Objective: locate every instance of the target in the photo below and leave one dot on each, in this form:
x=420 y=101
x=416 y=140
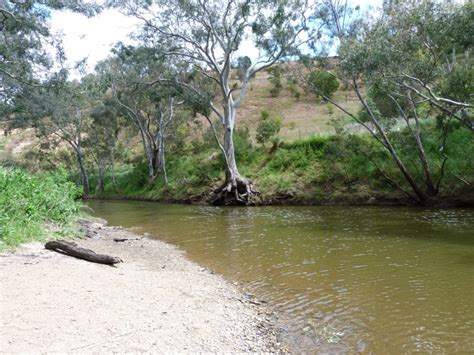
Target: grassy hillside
x=303 y=117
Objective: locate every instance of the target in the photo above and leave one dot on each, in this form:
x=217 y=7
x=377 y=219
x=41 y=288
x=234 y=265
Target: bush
x=294 y=91
x=267 y=127
x=244 y=151
x=298 y=155
x=275 y=78
x=325 y=83
x=28 y=202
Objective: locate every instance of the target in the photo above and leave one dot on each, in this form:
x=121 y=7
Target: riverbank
x=348 y=170
x=155 y=301
x=347 y=198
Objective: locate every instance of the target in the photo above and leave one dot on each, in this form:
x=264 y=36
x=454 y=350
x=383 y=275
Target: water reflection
x=343 y=279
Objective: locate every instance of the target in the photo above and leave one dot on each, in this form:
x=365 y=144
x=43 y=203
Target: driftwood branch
x=71 y=249
x=119 y=240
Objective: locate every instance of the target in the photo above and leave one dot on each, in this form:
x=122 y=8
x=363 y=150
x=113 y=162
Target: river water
x=342 y=279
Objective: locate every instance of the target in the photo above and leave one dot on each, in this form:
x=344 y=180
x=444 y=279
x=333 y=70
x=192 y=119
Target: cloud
x=91 y=37
x=94 y=37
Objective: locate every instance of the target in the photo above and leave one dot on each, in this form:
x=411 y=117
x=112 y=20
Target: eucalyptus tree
x=102 y=134
x=63 y=114
x=210 y=35
x=21 y=48
x=26 y=47
x=101 y=141
x=414 y=62
x=150 y=106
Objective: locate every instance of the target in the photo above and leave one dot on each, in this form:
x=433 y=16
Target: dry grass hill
x=305 y=116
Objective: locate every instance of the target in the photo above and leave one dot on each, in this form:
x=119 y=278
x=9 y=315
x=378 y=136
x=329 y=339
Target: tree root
x=241 y=191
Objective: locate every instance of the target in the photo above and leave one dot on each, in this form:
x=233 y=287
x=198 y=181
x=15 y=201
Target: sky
x=94 y=37
x=91 y=37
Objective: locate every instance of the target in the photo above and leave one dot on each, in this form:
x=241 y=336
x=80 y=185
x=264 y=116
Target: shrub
x=28 y=202
x=294 y=90
x=244 y=151
x=325 y=83
x=275 y=78
x=267 y=127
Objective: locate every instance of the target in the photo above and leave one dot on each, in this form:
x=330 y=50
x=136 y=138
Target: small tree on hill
x=324 y=83
x=267 y=128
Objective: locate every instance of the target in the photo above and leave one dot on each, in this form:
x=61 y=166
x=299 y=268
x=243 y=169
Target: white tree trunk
x=236 y=189
x=231 y=165
x=162 y=161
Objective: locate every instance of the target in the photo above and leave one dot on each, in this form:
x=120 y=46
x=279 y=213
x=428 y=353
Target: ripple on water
x=383 y=280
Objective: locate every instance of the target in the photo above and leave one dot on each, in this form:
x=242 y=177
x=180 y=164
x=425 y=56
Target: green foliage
x=294 y=90
x=241 y=66
x=459 y=83
x=245 y=153
x=460 y=149
x=275 y=79
x=267 y=127
x=323 y=82
x=26 y=47
x=28 y=203
x=419 y=47
x=415 y=64
x=297 y=155
x=345 y=166
x=381 y=102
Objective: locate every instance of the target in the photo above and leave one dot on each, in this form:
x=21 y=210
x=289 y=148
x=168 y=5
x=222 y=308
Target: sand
x=156 y=301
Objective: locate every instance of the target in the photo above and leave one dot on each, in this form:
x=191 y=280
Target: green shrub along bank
x=338 y=169
x=36 y=206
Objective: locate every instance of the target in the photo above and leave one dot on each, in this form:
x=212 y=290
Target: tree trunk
x=430 y=186
x=420 y=195
x=112 y=167
x=414 y=186
x=231 y=172
x=100 y=181
x=161 y=157
x=236 y=188
x=84 y=176
x=150 y=156
x=401 y=166
x=71 y=249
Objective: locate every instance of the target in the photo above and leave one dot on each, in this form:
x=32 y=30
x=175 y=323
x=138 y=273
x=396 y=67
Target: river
x=342 y=279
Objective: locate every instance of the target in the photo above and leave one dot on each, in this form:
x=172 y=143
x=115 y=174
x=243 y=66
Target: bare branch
x=7 y=13
x=437 y=98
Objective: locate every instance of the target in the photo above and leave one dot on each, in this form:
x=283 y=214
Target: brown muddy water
x=342 y=279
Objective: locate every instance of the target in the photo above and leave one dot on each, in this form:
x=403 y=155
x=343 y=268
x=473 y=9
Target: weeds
x=30 y=205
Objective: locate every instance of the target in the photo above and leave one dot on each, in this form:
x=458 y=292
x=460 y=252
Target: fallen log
x=71 y=249
x=119 y=240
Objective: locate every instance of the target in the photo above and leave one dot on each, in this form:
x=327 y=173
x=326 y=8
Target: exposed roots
x=239 y=191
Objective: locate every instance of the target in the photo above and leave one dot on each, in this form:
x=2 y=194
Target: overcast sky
x=94 y=37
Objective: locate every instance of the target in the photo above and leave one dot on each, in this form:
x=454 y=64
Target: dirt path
x=156 y=301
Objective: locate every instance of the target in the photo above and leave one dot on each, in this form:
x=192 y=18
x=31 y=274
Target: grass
x=301 y=118
x=340 y=168
x=33 y=207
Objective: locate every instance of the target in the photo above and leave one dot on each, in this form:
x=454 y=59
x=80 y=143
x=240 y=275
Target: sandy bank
x=156 y=301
